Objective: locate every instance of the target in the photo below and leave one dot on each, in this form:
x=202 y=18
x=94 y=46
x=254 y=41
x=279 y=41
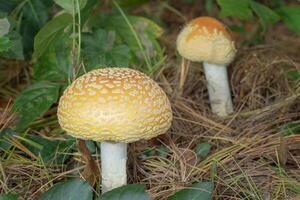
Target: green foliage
x=70 y=5
x=100 y=50
x=73 y=189
x=32 y=102
x=146 y=30
x=293 y=75
x=290 y=129
x=245 y=10
x=10 y=40
x=5 y=44
x=6 y=134
x=203 y=149
x=266 y=15
x=8 y=197
x=198 y=191
x=240 y=9
x=291 y=17
x=56 y=63
x=34 y=14
x=121 y=40
x=51 y=33
x=50 y=151
x=127 y=192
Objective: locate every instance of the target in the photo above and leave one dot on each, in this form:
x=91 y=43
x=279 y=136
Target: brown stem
x=91 y=171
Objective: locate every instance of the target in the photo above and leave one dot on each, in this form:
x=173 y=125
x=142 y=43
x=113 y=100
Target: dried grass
x=249 y=159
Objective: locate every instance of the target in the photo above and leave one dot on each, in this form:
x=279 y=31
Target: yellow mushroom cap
x=114 y=104
x=206 y=39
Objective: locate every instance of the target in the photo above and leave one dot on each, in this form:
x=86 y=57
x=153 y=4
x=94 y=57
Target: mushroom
x=207 y=40
x=114 y=106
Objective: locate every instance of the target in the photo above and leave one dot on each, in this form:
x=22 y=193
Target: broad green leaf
x=63 y=51
x=203 y=149
x=234 y=8
x=51 y=151
x=46 y=68
x=291 y=17
x=50 y=33
x=56 y=63
x=99 y=50
x=145 y=29
x=35 y=100
x=198 y=191
x=12 y=45
x=7 y=6
x=5 y=44
x=34 y=16
x=8 y=197
x=127 y=192
x=4 y=26
x=6 y=134
x=265 y=14
x=69 y=5
x=74 y=189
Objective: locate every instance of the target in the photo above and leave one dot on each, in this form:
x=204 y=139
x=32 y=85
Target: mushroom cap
x=114 y=104
x=206 y=39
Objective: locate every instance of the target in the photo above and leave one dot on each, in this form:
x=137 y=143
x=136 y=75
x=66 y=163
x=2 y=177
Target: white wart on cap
x=114 y=104
x=205 y=39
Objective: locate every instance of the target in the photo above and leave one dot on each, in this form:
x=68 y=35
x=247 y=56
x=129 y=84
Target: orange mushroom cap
x=206 y=39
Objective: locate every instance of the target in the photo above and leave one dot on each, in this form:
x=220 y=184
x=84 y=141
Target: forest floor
x=252 y=154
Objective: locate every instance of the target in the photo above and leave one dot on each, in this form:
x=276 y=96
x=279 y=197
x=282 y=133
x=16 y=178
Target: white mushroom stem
x=113 y=165
x=218 y=89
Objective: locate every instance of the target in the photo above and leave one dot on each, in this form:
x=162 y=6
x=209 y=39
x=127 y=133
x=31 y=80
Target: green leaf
x=4 y=135
x=51 y=151
x=8 y=197
x=69 y=5
x=73 y=189
x=13 y=46
x=234 y=8
x=265 y=14
x=162 y=151
x=198 y=191
x=35 y=100
x=131 y=3
x=56 y=63
x=290 y=129
x=99 y=50
x=4 y=26
x=293 y=75
x=127 y=192
x=47 y=68
x=50 y=33
x=291 y=17
x=237 y=29
x=209 y=5
x=5 y=44
x=203 y=149
x=34 y=16
x=146 y=30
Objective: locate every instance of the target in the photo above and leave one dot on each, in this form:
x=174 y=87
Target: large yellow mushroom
x=114 y=106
